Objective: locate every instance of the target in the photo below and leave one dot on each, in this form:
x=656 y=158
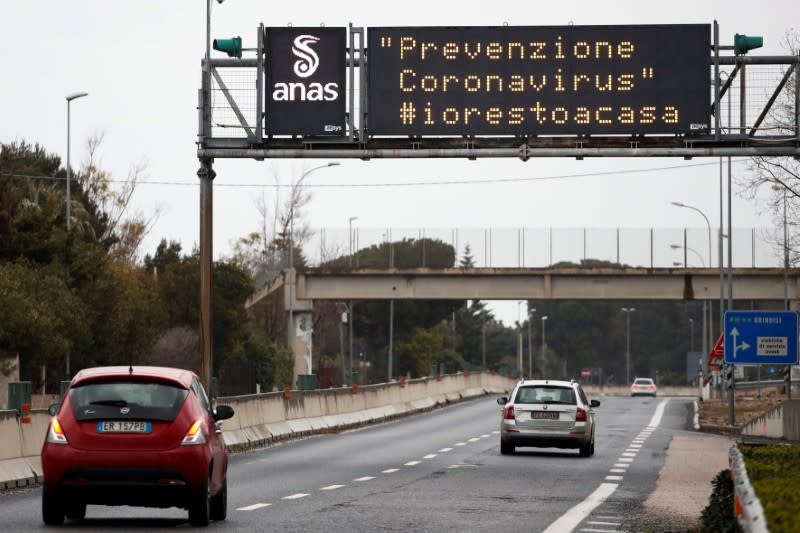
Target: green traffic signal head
x=232 y=47
x=743 y=43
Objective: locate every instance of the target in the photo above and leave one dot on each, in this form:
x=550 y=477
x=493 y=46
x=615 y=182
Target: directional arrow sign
x=761 y=337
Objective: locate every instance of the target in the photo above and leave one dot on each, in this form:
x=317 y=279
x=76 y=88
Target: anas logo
x=125 y=410
x=305 y=67
x=309 y=60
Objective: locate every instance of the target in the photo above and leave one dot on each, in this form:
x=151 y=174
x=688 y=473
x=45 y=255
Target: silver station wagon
x=547 y=414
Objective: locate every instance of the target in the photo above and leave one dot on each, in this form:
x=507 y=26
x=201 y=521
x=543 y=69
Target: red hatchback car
x=141 y=436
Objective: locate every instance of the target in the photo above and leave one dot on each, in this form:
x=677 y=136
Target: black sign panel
x=549 y=80
x=305 y=81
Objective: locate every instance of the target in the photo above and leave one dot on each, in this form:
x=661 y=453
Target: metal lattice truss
x=755 y=111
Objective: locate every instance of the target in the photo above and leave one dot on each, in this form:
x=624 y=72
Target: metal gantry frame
x=357 y=143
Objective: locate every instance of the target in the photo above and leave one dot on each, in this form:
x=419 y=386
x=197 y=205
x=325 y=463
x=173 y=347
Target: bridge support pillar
x=300 y=326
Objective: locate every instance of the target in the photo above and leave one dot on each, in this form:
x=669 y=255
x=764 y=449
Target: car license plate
x=123 y=426
x=544 y=415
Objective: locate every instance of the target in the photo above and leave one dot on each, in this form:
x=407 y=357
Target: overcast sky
x=140 y=63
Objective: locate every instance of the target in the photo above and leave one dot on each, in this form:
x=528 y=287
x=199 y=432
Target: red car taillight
x=195 y=434
x=508 y=412
x=55 y=434
x=580 y=415
x=651 y=387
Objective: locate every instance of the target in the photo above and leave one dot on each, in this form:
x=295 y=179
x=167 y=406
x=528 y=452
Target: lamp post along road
x=544 y=344
x=628 y=311
x=70 y=98
x=530 y=342
x=290 y=267
x=707 y=337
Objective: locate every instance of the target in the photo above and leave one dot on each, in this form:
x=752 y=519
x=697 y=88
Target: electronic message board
x=543 y=80
x=304 y=81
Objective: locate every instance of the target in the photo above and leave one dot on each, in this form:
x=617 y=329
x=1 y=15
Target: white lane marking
x=444 y=450
x=296 y=496
x=628 y=454
x=474 y=439
x=656 y=420
x=430 y=456
x=412 y=463
x=332 y=487
x=570 y=520
x=495 y=432
x=607 y=517
x=634 y=445
x=461 y=443
x=614 y=478
x=485 y=435
x=621 y=465
x=390 y=471
x=617 y=470
x=462 y=465
x=596 y=523
x=253 y=507
x=365 y=478
x=625 y=460
x=593 y=530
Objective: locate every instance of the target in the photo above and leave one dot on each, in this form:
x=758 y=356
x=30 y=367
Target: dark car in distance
x=140 y=436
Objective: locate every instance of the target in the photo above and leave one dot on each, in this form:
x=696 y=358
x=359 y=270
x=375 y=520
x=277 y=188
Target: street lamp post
x=707 y=342
x=291 y=274
x=544 y=342
x=519 y=341
x=70 y=98
x=530 y=341
x=628 y=311
x=695 y=252
x=350 y=237
x=691 y=334
x=350 y=330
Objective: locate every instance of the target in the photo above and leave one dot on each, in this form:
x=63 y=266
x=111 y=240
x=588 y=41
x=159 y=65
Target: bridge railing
x=537 y=247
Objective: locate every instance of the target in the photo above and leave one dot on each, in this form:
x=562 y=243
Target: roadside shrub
x=718 y=515
x=774 y=472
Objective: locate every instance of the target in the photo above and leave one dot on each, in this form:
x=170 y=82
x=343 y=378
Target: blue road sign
x=761 y=337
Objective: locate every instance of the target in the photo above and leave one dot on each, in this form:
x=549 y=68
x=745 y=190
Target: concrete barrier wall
x=10 y=442
x=780 y=422
x=17 y=470
x=263 y=418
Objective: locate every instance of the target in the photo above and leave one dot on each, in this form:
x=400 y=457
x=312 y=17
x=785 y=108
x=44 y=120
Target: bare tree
x=114 y=199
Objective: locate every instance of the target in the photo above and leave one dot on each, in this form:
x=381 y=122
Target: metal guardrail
x=746 y=505
x=760 y=384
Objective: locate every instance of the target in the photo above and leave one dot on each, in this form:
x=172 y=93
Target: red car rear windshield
x=127 y=400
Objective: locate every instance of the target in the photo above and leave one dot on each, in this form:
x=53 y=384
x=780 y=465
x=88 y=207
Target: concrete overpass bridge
x=296 y=291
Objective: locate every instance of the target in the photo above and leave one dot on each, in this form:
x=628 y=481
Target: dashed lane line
x=332 y=487
x=365 y=478
x=253 y=507
x=295 y=496
x=390 y=471
x=569 y=520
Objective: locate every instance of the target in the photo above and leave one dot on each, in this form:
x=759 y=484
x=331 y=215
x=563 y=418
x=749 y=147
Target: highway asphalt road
x=434 y=472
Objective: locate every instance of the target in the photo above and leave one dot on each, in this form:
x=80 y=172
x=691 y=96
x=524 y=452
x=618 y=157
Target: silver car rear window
x=546 y=394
